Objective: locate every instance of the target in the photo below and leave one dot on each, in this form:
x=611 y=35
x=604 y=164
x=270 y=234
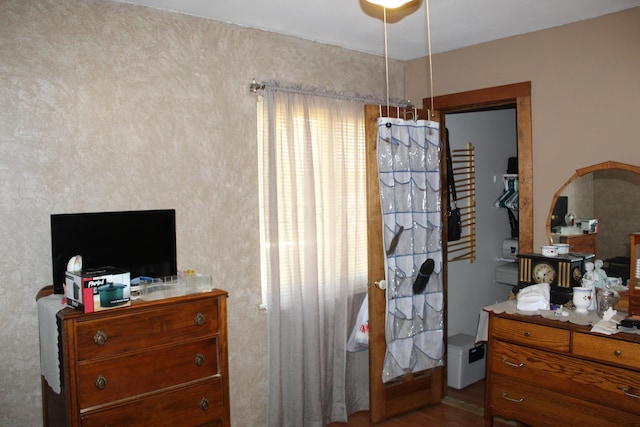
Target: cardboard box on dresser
x=98 y=289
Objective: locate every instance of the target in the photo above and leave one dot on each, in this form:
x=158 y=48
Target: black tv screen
x=141 y=242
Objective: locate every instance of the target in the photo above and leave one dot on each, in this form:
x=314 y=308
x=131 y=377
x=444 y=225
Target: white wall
x=472 y=285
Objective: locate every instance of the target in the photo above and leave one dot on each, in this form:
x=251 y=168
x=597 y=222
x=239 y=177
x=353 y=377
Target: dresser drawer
x=570 y=376
x=530 y=334
x=516 y=400
x=109 y=380
x=201 y=404
x=583 y=243
x=119 y=331
x=609 y=350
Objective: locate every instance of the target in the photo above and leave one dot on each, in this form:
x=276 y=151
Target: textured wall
x=109 y=106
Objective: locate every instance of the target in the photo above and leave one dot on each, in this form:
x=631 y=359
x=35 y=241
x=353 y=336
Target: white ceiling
x=352 y=24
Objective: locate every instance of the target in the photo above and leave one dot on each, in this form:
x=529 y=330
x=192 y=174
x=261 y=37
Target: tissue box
x=98 y=289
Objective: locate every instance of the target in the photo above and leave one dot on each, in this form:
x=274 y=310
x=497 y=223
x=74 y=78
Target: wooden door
x=411 y=391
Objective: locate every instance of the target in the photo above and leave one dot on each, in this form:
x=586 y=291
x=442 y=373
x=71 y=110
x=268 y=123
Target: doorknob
x=381 y=284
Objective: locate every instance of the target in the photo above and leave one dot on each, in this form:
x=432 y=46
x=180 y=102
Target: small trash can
x=466 y=361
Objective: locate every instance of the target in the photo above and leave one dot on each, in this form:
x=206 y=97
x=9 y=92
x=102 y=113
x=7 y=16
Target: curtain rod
x=254 y=87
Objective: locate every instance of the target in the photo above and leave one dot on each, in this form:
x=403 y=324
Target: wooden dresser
x=159 y=363
x=582 y=243
x=542 y=372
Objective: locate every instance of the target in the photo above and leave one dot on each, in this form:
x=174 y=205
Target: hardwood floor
x=460 y=408
x=472 y=394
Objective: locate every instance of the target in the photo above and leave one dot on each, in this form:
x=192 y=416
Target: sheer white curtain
x=314 y=255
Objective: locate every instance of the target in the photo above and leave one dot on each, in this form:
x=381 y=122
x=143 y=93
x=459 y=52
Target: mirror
x=610 y=193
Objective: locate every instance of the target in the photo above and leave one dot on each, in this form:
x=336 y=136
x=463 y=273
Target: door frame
x=519 y=96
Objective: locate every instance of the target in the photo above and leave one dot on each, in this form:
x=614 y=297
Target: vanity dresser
x=545 y=372
x=160 y=363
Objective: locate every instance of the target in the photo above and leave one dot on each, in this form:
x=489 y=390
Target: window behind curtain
x=346 y=190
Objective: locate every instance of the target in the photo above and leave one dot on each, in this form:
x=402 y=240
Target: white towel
x=534 y=297
x=48 y=307
x=482 y=333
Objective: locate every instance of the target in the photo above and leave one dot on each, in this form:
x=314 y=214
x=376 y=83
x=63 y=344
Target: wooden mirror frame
x=583 y=171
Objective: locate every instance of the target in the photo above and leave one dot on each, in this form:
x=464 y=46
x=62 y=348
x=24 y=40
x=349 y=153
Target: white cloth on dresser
x=48 y=307
x=598 y=325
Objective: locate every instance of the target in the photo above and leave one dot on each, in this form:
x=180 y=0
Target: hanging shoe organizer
x=409 y=174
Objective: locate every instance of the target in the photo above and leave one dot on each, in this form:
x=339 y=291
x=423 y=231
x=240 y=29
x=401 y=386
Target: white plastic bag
x=359 y=338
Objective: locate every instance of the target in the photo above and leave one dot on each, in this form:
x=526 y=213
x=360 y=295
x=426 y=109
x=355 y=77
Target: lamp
x=390 y=4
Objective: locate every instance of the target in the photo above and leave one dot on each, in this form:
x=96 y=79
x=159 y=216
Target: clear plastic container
x=196 y=282
x=174 y=286
x=164 y=287
x=607 y=299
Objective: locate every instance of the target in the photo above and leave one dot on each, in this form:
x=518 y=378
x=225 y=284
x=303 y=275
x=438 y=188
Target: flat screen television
x=141 y=242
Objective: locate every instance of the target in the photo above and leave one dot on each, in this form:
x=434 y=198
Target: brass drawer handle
x=199 y=359
x=100 y=337
x=626 y=392
x=617 y=353
x=204 y=404
x=527 y=334
x=515 y=365
x=101 y=382
x=199 y=319
x=505 y=396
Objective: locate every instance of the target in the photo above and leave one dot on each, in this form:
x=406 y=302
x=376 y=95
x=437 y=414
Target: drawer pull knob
x=100 y=338
x=626 y=392
x=101 y=382
x=204 y=404
x=505 y=396
x=527 y=334
x=199 y=319
x=617 y=352
x=515 y=365
x=199 y=359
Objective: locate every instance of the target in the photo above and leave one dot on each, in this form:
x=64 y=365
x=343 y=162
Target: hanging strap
x=451 y=182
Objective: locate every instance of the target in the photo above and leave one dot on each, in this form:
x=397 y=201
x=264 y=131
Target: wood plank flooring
x=460 y=408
